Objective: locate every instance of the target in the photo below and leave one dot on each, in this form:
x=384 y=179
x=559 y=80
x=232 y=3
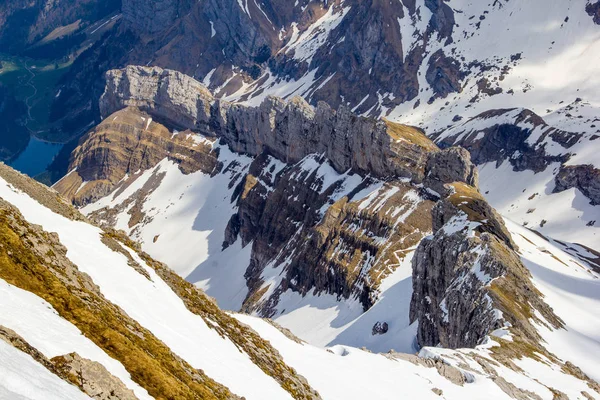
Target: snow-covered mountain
x=268 y=211
x=86 y=314
x=441 y=66
x=415 y=178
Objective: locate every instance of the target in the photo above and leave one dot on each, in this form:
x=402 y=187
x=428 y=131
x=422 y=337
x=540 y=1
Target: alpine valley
x=309 y=199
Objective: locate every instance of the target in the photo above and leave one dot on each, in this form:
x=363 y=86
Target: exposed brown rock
x=92 y=378
x=123 y=144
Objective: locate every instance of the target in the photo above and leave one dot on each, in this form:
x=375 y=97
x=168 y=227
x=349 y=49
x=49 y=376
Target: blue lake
x=36 y=157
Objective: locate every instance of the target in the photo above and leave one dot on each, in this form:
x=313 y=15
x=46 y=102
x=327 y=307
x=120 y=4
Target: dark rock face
x=369 y=59
x=444 y=75
x=593 y=10
x=15 y=135
x=443 y=18
x=380 y=328
x=289 y=131
x=508 y=141
x=586 y=178
x=448 y=166
x=153 y=16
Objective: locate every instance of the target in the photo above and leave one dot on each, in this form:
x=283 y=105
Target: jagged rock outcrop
x=346 y=252
x=351 y=53
x=593 y=10
x=450 y=165
x=128 y=142
x=586 y=178
x=467 y=278
x=289 y=131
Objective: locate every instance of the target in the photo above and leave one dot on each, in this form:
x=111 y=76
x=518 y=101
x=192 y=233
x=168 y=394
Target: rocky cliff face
x=300 y=201
x=499 y=135
x=127 y=142
x=467 y=277
x=153 y=16
x=586 y=178
x=354 y=53
x=523 y=139
x=367 y=151
x=289 y=131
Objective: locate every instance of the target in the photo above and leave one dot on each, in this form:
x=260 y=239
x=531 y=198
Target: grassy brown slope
x=34 y=260
x=260 y=351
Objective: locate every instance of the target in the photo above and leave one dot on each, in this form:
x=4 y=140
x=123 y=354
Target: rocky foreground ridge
x=324 y=234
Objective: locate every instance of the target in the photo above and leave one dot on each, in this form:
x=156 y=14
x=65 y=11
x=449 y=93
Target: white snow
x=527 y=198
x=40 y=325
x=573 y=292
x=151 y=303
x=342 y=372
x=23 y=378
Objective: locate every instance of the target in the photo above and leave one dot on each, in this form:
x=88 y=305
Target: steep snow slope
x=37 y=322
x=324 y=320
x=542 y=173
x=572 y=289
x=185 y=221
x=22 y=378
x=527 y=198
x=339 y=372
x=150 y=302
x=185 y=227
